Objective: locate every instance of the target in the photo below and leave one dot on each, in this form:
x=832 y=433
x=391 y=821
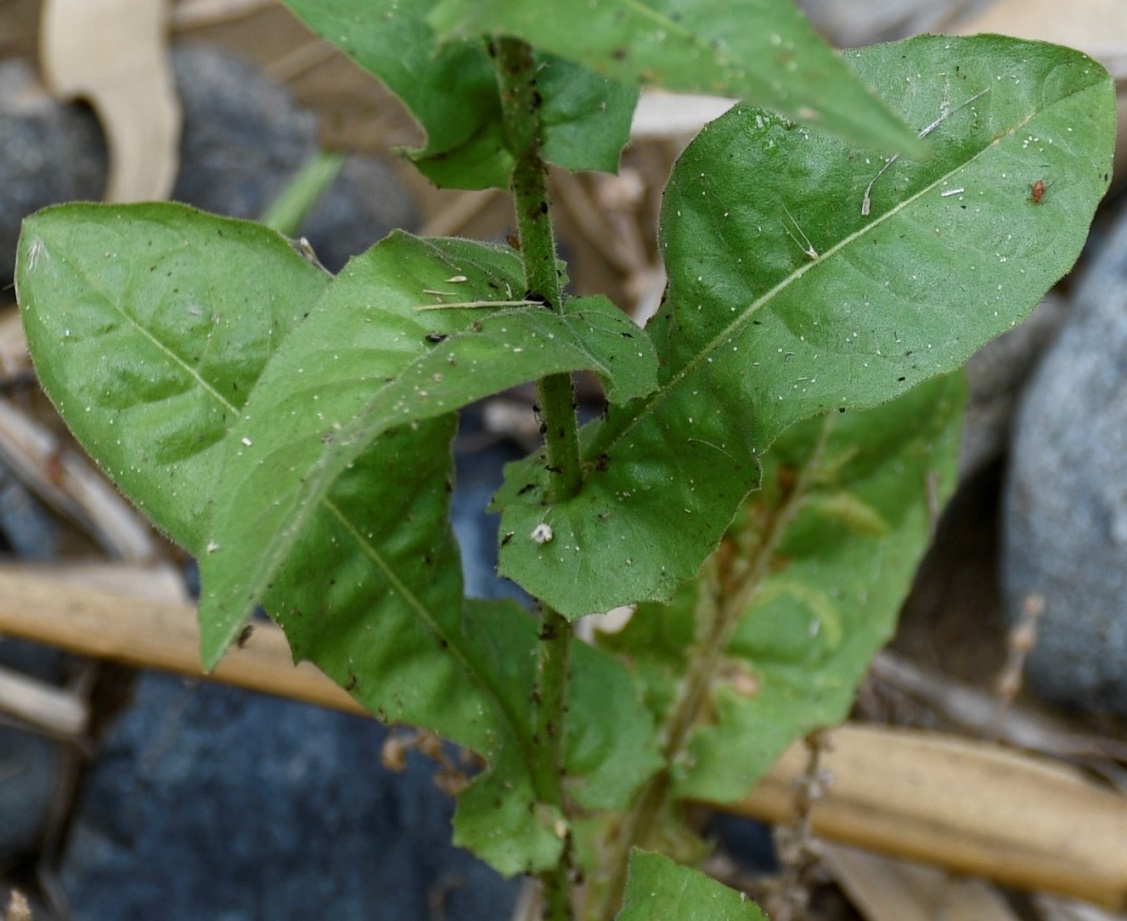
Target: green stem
x=520 y=105
x=520 y=102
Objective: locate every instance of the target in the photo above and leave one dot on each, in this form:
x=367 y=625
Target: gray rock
x=210 y=802
x=243 y=135
x=1065 y=500
x=48 y=154
x=996 y=374
x=31 y=766
x=30 y=771
x=243 y=139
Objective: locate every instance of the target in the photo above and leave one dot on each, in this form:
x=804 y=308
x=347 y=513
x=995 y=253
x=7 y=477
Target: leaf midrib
x=137 y=327
x=737 y=326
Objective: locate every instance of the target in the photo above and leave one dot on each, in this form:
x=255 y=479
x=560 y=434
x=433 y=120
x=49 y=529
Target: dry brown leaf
x=968 y=806
x=114 y=54
x=883 y=889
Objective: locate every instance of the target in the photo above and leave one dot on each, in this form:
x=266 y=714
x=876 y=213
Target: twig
x=197 y=14
x=41 y=706
x=798 y=851
x=301 y=60
x=462 y=209
x=976 y=711
x=18 y=908
x=1020 y=642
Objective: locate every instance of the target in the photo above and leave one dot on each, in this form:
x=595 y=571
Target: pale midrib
x=140 y=329
x=423 y=612
x=737 y=326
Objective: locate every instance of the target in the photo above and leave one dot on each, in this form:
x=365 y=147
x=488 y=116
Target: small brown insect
x=244 y=635
x=1037 y=191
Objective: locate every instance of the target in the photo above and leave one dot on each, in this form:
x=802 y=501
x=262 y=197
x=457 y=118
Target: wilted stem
x=520 y=103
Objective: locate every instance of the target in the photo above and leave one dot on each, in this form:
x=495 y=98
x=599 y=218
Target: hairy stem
x=520 y=100
x=520 y=104
x=727 y=588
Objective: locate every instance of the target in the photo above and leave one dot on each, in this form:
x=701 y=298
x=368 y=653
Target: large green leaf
x=854 y=492
x=451 y=90
x=763 y=51
x=658 y=888
x=373 y=357
x=332 y=511
x=786 y=300
x=149 y=325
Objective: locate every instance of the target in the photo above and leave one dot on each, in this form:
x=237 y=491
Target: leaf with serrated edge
x=657 y=887
x=148 y=359
x=762 y=51
x=451 y=90
x=756 y=333
x=832 y=590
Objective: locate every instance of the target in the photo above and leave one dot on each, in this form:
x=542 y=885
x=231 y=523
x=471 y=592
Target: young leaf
x=763 y=51
x=451 y=90
x=148 y=358
x=853 y=493
x=786 y=300
x=659 y=888
x=370 y=358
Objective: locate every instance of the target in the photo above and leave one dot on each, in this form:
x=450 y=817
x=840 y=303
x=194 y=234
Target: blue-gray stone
x=211 y=802
x=244 y=138
x=48 y=154
x=1065 y=501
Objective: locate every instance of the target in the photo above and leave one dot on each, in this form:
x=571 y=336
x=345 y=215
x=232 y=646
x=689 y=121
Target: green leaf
x=763 y=51
x=758 y=333
x=625 y=353
x=610 y=750
x=451 y=90
x=370 y=358
x=611 y=739
x=658 y=888
x=833 y=587
x=149 y=325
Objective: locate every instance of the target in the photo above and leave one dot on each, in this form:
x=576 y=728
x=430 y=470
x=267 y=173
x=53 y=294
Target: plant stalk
x=520 y=102
x=727 y=590
x=520 y=105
